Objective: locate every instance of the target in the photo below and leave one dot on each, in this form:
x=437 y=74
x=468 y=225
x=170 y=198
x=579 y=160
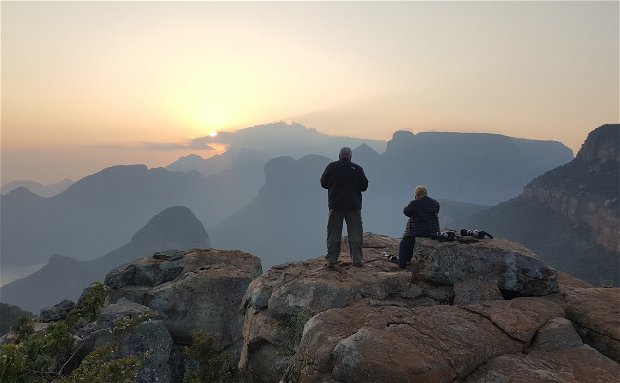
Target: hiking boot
x=330 y=265
x=358 y=264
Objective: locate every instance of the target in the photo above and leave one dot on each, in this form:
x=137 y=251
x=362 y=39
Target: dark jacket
x=345 y=182
x=423 y=220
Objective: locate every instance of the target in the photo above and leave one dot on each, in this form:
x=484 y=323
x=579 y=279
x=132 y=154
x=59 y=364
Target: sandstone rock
x=571 y=365
x=280 y=302
x=557 y=334
x=151 y=340
x=134 y=330
x=49 y=314
x=169 y=255
x=569 y=282
x=57 y=312
x=207 y=298
x=397 y=344
x=517 y=270
x=475 y=290
x=596 y=312
x=123 y=308
x=202 y=289
x=65 y=307
x=430 y=344
x=520 y=318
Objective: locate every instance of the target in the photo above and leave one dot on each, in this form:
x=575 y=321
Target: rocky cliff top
x=476 y=311
x=460 y=311
x=191 y=290
x=586 y=191
x=602 y=145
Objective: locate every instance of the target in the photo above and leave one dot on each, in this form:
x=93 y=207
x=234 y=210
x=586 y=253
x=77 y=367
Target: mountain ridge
x=65 y=277
x=102 y=210
x=38 y=188
x=569 y=215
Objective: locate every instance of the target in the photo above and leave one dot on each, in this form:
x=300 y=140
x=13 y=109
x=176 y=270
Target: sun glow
x=213 y=133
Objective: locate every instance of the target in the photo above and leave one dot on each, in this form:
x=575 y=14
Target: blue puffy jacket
x=423 y=220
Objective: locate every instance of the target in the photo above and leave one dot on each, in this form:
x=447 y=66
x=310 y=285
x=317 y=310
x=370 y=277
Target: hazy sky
x=87 y=85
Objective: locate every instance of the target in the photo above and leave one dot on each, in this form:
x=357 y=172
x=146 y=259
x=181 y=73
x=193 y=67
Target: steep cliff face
x=602 y=145
x=193 y=289
x=598 y=214
x=586 y=190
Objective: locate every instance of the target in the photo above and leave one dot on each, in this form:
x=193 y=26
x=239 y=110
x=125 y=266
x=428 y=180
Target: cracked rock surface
x=190 y=290
x=443 y=319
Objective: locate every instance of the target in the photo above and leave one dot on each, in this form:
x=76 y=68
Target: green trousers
x=354 y=232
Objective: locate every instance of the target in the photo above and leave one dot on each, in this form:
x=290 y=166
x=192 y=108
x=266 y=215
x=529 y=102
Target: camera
x=445 y=236
x=480 y=234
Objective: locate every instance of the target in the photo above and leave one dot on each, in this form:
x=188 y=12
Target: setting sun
x=213 y=133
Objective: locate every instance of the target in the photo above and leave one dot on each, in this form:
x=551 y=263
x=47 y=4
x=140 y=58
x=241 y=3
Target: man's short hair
x=345 y=152
x=420 y=191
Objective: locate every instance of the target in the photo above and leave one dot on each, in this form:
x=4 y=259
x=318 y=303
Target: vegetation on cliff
x=9 y=315
x=48 y=355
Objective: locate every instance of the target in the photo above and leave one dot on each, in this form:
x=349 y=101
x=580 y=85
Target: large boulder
x=514 y=269
x=569 y=365
x=596 y=312
x=396 y=344
x=280 y=303
x=427 y=344
x=132 y=329
x=190 y=290
x=59 y=311
x=520 y=318
x=557 y=334
x=121 y=309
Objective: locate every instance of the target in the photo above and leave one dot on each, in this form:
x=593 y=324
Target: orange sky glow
x=86 y=85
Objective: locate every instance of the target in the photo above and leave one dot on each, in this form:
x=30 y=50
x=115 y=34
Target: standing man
x=423 y=222
x=345 y=182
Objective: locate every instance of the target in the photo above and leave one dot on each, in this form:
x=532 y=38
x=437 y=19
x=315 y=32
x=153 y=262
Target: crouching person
x=423 y=222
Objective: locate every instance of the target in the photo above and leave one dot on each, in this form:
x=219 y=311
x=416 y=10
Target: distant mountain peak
x=64 y=277
x=364 y=149
x=191 y=157
x=402 y=134
x=125 y=168
x=174 y=225
x=22 y=191
x=602 y=145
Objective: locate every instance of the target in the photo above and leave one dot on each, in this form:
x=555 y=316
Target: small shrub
x=90 y=305
x=125 y=324
x=9 y=315
x=23 y=328
x=47 y=351
x=100 y=366
x=214 y=365
x=13 y=364
x=38 y=358
x=46 y=356
x=41 y=356
x=292 y=328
